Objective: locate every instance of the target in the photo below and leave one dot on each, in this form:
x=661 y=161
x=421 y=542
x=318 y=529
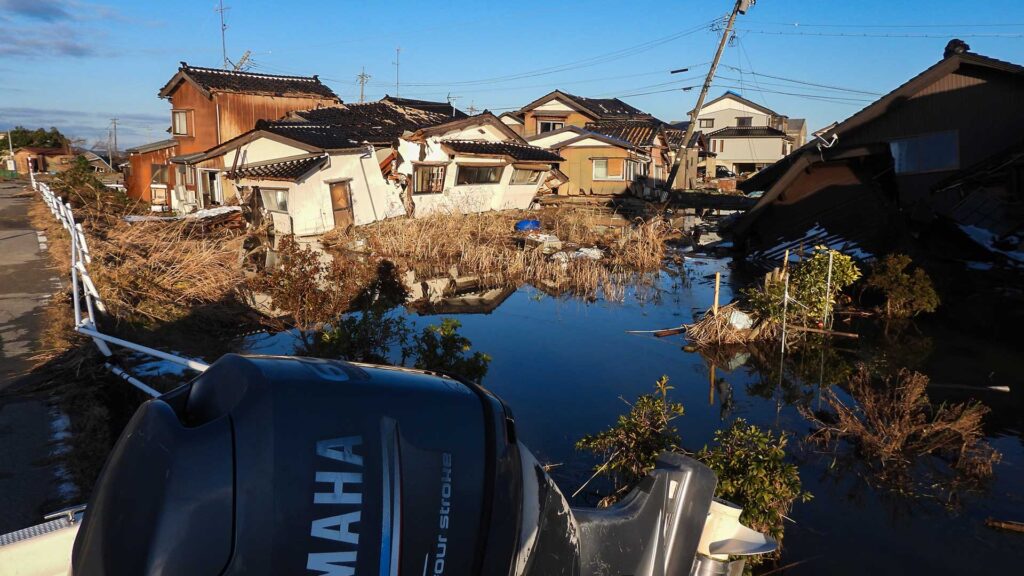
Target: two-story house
x=210 y=106
x=746 y=136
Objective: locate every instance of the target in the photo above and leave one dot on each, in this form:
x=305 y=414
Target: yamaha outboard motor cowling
x=283 y=465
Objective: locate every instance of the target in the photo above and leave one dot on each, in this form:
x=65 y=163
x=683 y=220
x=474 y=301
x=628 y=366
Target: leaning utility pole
x=223 y=34
x=363 y=78
x=741 y=7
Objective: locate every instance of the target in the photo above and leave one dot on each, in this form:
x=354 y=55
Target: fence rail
x=83 y=291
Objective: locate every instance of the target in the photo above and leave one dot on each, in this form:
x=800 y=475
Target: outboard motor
x=283 y=465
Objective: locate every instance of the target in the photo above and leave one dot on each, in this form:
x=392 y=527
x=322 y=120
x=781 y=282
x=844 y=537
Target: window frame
x=607 y=178
x=415 y=178
x=899 y=170
x=498 y=168
x=705 y=122
x=749 y=121
x=540 y=123
x=154 y=170
x=188 y=123
x=534 y=178
x=277 y=202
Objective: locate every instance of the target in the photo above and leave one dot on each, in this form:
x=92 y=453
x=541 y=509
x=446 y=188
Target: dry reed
x=715 y=329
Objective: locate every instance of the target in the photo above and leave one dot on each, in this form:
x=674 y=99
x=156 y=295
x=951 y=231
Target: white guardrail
x=84 y=290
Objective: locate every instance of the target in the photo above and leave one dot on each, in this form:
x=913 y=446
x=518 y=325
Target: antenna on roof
x=362 y=78
x=243 y=62
x=223 y=35
x=398 y=55
x=471 y=110
x=451 y=102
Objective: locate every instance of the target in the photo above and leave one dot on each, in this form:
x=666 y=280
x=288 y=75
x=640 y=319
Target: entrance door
x=341 y=202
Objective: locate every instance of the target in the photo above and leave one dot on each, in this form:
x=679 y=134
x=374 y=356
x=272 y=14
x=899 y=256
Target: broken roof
x=211 y=80
x=444 y=108
x=289 y=169
x=640 y=132
x=514 y=150
x=374 y=122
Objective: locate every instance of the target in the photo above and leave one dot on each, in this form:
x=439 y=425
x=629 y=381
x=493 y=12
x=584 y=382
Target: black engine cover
x=300 y=466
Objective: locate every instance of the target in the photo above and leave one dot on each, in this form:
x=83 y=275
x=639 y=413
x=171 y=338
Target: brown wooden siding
x=573 y=119
x=140 y=173
x=982 y=105
x=579 y=168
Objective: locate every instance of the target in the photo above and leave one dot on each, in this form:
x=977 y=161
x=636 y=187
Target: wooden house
x=597 y=164
x=41 y=159
x=210 y=106
x=890 y=156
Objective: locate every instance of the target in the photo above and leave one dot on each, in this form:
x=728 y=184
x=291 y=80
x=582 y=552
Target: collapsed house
x=892 y=161
x=316 y=170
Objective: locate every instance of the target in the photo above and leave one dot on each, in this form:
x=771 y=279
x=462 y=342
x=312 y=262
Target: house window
x=521 y=176
x=159 y=174
x=179 y=122
x=158 y=195
x=478 y=175
x=744 y=121
x=546 y=126
x=428 y=180
x=933 y=152
x=275 y=199
x=608 y=168
x=706 y=122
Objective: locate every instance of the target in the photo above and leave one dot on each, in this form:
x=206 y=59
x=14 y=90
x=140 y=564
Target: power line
x=879 y=35
x=804 y=82
x=958 y=26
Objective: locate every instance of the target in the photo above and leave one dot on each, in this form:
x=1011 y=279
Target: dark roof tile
x=352 y=124
x=515 y=150
x=217 y=80
x=288 y=169
x=748 y=132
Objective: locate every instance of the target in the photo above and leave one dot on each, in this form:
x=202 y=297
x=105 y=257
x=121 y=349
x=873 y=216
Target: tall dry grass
x=485 y=245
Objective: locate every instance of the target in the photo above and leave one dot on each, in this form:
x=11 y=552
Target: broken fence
x=83 y=291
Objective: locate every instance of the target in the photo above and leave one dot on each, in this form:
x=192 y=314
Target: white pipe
x=194 y=365
x=132 y=380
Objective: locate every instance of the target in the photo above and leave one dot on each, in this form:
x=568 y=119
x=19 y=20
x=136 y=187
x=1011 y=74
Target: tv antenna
x=223 y=34
x=398 y=55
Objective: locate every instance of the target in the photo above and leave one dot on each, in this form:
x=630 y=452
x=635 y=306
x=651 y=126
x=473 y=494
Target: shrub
x=442 y=348
x=753 y=473
x=811 y=286
x=309 y=287
x=637 y=438
x=906 y=294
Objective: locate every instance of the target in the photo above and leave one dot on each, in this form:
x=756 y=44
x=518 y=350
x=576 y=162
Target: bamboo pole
x=711 y=388
x=718 y=279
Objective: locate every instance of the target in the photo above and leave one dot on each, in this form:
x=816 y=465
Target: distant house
x=746 y=136
x=100 y=162
x=210 y=106
x=557 y=110
x=895 y=154
x=597 y=164
x=41 y=160
x=316 y=170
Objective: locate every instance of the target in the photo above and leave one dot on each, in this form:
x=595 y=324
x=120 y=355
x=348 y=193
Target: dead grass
x=485 y=245
x=894 y=426
x=716 y=330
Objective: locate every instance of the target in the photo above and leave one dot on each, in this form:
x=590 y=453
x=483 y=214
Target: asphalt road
x=28 y=476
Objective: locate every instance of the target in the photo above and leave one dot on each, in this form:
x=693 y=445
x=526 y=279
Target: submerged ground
x=562 y=365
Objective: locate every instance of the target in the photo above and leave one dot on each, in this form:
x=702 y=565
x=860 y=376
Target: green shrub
x=811 y=286
x=637 y=438
x=906 y=294
x=753 y=473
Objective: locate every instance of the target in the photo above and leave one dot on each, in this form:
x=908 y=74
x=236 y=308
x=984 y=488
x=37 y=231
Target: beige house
x=557 y=110
x=746 y=136
x=597 y=164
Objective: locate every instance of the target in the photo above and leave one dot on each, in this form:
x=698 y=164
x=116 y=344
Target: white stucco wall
x=744 y=150
x=555 y=105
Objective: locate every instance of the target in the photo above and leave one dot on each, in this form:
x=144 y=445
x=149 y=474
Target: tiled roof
x=675 y=136
x=607 y=107
x=444 y=108
x=638 y=132
x=288 y=169
x=748 y=132
x=214 y=79
x=515 y=150
x=352 y=124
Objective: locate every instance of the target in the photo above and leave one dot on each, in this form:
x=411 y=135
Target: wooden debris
x=1009 y=525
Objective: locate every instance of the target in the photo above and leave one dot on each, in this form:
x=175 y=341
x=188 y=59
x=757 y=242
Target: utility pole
x=741 y=7
x=223 y=34
x=363 y=78
x=114 y=122
x=451 y=102
x=398 y=55
x=471 y=110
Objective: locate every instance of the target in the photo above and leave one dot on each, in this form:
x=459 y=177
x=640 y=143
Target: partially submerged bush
x=630 y=447
x=894 y=426
x=906 y=293
x=813 y=289
x=309 y=285
x=752 y=472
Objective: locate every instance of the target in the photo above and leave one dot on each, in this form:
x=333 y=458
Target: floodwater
x=564 y=366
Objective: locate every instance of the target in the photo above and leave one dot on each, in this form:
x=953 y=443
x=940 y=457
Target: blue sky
x=75 y=64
